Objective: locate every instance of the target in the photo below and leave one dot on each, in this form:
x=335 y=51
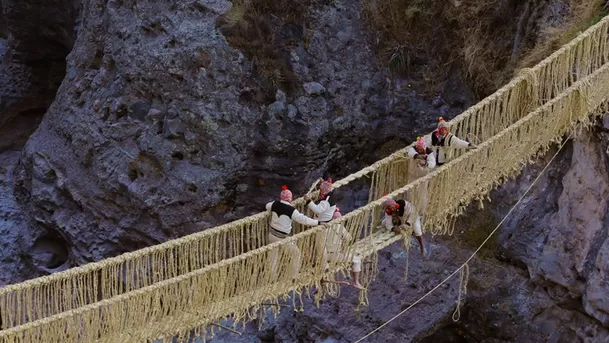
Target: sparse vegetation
x=584 y=13
x=485 y=39
x=264 y=31
x=432 y=37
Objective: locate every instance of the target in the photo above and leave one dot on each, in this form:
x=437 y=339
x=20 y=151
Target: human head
x=326 y=187
x=286 y=194
x=420 y=145
x=442 y=127
x=336 y=213
x=390 y=205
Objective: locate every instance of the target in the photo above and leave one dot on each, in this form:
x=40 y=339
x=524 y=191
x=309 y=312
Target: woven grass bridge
x=182 y=286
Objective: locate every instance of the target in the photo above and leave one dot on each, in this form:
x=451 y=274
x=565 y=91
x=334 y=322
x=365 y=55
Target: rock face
x=157 y=124
x=14 y=226
x=558 y=234
x=564 y=251
x=32 y=66
x=572 y=258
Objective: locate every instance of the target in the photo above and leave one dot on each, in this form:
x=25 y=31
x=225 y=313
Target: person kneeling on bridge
x=441 y=138
x=324 y=209
x=332 y=242
x=399 y=216
x=282 y=214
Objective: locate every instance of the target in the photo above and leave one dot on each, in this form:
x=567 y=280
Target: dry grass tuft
x=254 y=27
x=430 y=37
x=484 y=38
x=584 y=13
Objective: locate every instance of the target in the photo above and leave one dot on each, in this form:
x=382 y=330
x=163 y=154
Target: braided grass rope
x=237 y=286
x=463 y=270
x=73 y=288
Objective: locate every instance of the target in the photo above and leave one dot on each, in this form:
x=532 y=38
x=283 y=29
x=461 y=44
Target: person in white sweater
x=400 y=215
x=282 y=215
x=425 y=158
x=332 y=241
x=424 y=162
x=325 y=207
x=441 y=138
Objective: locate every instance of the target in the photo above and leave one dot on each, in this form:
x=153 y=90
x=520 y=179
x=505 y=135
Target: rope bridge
x=188 y=283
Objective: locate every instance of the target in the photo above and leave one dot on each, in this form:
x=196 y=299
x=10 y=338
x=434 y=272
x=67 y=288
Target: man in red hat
x=400 y=215
x=282 y=215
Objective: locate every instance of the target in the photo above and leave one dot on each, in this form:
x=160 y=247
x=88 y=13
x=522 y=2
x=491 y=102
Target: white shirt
x=323 y=211
x=282 y=214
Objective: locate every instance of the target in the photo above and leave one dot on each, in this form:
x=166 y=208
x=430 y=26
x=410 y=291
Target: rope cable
x=464 y=265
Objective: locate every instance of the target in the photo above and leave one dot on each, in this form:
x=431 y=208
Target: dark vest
x=282 y=209
x=440 y=142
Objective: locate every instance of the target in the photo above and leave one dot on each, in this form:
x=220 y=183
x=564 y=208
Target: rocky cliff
x=160 y=123
x=557 y=235
x=33 y=62
x=32 y=66
x=161 y=114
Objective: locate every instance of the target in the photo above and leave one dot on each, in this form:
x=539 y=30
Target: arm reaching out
x=456 y=142
x=388 y=224
x=303 y=219
x=320 y=208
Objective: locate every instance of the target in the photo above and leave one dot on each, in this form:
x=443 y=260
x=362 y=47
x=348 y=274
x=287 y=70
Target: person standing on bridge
x=442 y=138
x=323 y=210
x=424 y=161
x=401 y=215
x=282 y=215
x=325 y=207
x=331 y=241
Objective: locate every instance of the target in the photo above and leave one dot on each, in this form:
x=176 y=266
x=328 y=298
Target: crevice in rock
x=601 y=235
x=50 y=252
x=178 y=155
x=15 y=133
x=33 y=65
x=3 y=27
